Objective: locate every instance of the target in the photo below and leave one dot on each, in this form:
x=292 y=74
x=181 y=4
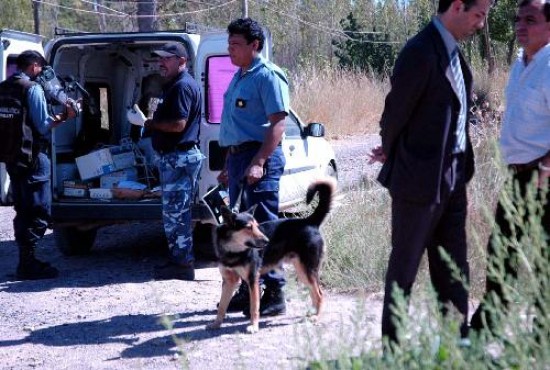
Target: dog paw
x=251 y=329
x=213 y=325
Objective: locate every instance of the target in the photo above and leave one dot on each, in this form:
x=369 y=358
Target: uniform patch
x=241 y=103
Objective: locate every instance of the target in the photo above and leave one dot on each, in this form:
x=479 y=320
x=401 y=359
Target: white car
x=112 y=72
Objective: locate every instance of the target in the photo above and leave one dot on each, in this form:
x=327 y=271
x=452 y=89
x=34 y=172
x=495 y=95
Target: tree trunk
x=510 y=55
x=146 y=12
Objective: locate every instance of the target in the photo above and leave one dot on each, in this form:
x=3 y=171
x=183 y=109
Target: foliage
x=362 y=50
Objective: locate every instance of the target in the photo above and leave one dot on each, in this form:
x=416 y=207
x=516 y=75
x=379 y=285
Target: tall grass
x=346 y=102
x=358 y=235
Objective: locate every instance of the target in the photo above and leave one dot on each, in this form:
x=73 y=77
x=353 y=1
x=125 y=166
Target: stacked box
x=95 y=164
x=111 y=180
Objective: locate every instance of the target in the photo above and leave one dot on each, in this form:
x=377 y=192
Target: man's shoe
x=272 y=303
x=240 y=300
x=33 y=269
x=175 y=271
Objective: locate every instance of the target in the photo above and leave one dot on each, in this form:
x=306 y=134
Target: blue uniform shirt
x=38 y=109
x=250 y=99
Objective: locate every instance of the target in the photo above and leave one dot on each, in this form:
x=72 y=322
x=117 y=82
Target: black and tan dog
x=247 y=249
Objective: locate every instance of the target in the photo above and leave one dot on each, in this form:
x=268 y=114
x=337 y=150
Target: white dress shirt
x=525 y=134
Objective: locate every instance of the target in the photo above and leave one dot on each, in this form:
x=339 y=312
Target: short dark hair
x=29 y=57
x=444 y=5
x=545 y=7
x=249 y=28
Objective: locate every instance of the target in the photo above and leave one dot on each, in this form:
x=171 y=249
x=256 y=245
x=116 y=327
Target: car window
x=292 y=126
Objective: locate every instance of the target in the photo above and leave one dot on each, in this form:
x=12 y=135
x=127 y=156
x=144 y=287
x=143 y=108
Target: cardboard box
x=95 y=164
x=98 y=193
x=111 y=180
x=75 y=192
x=123 y=160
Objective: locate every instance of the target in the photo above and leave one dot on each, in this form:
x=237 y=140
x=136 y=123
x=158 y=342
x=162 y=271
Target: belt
x=522 y=167
x=186 y=146
x=243 y=147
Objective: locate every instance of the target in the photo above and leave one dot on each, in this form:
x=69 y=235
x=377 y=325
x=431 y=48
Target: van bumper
x=76 y=212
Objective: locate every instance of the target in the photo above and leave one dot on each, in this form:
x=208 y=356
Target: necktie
x=460 y=145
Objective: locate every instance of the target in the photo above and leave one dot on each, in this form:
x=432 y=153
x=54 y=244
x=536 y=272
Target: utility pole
x=36 y=16
x=245 y=8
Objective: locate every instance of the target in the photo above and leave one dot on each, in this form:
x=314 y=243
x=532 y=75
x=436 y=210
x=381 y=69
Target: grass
x=358 y=236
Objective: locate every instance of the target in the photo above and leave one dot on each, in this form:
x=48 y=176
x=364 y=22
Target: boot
x=240 y=300
x=272 y=303
x=30 y=268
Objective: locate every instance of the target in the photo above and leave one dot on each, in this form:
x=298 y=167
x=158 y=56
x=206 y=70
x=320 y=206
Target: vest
x=18 y=144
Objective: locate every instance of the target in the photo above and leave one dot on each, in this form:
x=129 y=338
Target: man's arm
x=166 y=126
x=408 y=84
x=38 y=111
x=273 y=137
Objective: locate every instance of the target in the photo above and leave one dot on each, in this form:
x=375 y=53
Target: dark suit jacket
x=419 y=120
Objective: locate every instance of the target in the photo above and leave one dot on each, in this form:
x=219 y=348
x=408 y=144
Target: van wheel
x=72 y=241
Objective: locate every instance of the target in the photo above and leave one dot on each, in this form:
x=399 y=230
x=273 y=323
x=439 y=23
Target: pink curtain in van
x=220 y=72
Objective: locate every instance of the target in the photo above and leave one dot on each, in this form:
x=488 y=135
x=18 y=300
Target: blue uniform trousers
x=179 y=171
x=32 y=200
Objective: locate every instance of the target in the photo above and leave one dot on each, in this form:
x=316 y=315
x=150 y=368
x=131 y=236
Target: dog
x=247 y=249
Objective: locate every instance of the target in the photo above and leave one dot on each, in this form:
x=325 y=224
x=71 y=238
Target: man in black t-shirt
x=174 y=131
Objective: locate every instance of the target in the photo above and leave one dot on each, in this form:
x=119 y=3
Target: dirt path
x=105 y=312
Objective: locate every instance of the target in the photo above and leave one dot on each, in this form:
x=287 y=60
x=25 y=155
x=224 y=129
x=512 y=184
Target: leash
x=241 y=198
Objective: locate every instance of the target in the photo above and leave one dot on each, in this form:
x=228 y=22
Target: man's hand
x=223 y=177
x=254 y=173
x=377 y=155
x=135 y=116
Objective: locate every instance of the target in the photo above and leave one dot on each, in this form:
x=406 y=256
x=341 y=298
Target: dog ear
x=227 y=215
x=252 y=209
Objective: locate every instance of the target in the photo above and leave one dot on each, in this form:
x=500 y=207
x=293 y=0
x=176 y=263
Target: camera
x=56 y=90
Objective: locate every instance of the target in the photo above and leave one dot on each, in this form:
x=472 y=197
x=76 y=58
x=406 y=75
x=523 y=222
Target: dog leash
x=241 y=197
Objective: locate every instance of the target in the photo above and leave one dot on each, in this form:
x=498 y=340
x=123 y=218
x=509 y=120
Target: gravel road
x=105 y=311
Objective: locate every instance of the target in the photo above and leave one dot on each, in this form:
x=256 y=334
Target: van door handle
x=291 y=148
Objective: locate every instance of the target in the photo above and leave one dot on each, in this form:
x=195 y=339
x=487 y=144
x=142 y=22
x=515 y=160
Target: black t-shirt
x=181 y=100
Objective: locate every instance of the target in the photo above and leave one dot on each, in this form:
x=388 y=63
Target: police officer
x=253 y=122
x=174 y=132
x=29 y=166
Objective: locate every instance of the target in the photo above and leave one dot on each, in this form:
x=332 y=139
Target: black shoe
x=175 y=271
x=33 y=269
x=240 y=300
x=272 y=303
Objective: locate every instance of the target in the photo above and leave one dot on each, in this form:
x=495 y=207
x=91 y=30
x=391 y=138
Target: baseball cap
x=172 y=49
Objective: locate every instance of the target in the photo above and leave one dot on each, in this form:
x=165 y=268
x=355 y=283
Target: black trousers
x=509 y=257
x=418 y=227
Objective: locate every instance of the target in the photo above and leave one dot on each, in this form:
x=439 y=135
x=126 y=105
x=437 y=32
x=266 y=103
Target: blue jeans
x=179 y=171
x=264 y=193
x=32 y=199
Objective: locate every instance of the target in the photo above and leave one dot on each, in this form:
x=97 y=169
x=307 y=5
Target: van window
x=292 y=126
x=219 y=72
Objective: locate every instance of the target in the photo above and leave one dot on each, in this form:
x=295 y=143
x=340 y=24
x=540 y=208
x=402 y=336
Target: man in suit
x=427 y=157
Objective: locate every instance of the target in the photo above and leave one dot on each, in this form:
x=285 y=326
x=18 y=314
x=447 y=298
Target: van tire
x=72 y=241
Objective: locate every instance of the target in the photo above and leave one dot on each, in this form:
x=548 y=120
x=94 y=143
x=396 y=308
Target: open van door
x=13 y=43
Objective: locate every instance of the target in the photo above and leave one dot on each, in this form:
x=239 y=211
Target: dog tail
x=325 y=188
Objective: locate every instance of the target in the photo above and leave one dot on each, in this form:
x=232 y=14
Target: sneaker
x=175 y=271
x=272 y=303
x=240 y=300
x=34 y=269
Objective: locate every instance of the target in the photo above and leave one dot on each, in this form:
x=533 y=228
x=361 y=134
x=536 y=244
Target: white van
x=115 y=71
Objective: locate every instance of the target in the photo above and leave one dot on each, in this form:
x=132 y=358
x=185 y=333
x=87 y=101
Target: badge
x=240 y=103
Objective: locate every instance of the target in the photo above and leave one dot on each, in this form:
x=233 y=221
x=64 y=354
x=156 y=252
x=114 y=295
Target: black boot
x=240 y=300
x=30 y=268
x=272 y=303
